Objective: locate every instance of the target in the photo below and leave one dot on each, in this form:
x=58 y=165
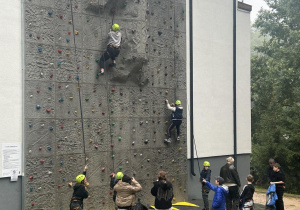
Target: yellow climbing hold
x=185 y=204
x=91 y=2
x=76 y=121
x=174 y=198
x=70 y=98
x=79 y=133
x=93 y=110
x=75 y=112
x=87 y=66
x=158 y=70
x=87 y=184
x=68 y=53
x=180 y=188
x=76 y=32
x=70 y=21
x=91 y=140
x=78 y=87
x=173 y=180
x=87 y=159
x=70 y=184
x=179 y=149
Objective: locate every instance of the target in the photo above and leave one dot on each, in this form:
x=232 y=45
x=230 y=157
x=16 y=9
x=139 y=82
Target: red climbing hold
x=76 y=6
x=103 y=113
x=32 y=204
x=94 y=90
x=48 y=110
x=38 y=36
x=100 y=103
x=40 y=148
x=69 y=32
x=59 y=186
x=62 y=126
x=60 y=170
x=42 y=161
x=38 y=90
x=31 y=177
x=110 y=192
x=59 y=86
x=70 y=75
x=61 y=16
x=103 y=202
x=59 y=50
x=78 y=67
x=58 y=146
x=113 y=89
x=96 y=146
x=103 y=169
x=51 y=75
x=112 y=145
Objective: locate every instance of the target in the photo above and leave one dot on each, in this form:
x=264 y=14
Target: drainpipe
x=234 y=85
x=191 y=88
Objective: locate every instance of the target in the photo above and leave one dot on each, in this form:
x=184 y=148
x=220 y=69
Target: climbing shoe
x=169 y=140
x=178 y=138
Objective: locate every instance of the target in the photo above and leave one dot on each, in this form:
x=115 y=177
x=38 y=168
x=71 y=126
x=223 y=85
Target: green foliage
x=275 y=90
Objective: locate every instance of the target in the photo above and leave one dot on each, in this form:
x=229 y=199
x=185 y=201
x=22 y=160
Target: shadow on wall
x=132 y=20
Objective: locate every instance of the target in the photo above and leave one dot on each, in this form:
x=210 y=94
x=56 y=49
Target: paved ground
x=200 y=203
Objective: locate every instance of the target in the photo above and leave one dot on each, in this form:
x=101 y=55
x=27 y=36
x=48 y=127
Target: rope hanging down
x=77 y=78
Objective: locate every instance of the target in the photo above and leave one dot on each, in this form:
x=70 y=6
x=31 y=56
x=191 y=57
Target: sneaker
x=169 y=140
x=178 y=138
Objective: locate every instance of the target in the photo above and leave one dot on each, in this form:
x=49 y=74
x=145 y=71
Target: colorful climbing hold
x=50 y=128
x=38 y=106
x=40 y=49
x=48 y=110
x=59 y=50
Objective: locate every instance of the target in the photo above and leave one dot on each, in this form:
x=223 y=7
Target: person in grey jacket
x=232 y=180
x=113 y=47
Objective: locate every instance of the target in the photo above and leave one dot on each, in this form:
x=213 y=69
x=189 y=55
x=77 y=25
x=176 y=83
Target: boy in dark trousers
x=205 y=174
x=176 y=119
x=219 y=201
x=113 y=47
x=246 y=198
x=80 y=191
x=163 y=192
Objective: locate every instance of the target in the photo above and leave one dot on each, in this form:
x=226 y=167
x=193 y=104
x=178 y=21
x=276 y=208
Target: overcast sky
x=256 y=6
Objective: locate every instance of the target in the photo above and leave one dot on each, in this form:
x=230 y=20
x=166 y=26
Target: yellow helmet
x=178 y=102
x=119 y=175
x=115 y=27
x=79 y=178
x=206 y=163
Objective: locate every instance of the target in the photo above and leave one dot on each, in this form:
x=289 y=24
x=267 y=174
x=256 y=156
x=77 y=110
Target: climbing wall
x=113 y=122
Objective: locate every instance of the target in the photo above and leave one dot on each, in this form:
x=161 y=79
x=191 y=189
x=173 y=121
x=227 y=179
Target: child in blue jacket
x=219 y=201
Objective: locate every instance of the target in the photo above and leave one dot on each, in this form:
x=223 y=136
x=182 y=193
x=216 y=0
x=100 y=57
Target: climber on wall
x=113 y=47
x=176 y=118
x=80 y=191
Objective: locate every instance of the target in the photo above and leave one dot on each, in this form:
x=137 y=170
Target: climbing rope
x=77 y=78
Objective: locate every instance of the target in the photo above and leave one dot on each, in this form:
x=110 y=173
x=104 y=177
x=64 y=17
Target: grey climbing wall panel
x=124 y=115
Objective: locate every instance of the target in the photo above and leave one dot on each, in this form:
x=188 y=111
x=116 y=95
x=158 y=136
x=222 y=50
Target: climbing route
x=114 y=122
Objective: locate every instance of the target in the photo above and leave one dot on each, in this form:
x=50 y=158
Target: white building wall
x=213 y=78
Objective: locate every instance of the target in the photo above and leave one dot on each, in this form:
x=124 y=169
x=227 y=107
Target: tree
x=275 y=90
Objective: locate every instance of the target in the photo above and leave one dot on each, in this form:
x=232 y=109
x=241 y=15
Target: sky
x=256 y=6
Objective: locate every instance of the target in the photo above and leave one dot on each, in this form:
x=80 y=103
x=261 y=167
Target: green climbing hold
x=89 y=125
x=102 y=179
x=183 y=11
x=110 y=99
x=120 y=167
x=112 y=111
x=88 y=20
x=120 y=138
x=101 y=139
x=87 y=99
x=97 y=60
x=112 y=134
x=165 y=82
x=124 y=5
x=113 y=156
x=124 y=57
x=113 y=124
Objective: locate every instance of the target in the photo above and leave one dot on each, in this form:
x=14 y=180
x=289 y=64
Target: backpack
x=139 y=206
x=271 y=195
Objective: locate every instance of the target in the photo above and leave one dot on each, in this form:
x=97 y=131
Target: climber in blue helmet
x=113 y=47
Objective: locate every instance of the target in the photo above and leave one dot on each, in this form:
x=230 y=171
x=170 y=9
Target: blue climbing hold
x=38 y=106
x=61 y=99
x=50 y=13
x=50 y=87
x=68 y=40
x=64 y=179
x=31 y=189
x=69 y=111
x=51 y=128
x=58 y=63
x=40 y=49
x=30 y=35
x=61 y=162
x=49 y=148
x=77 y=77
x=30 y=125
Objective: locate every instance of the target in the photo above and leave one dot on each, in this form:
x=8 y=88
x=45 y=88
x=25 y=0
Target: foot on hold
x=112 y=64
x=102 y=71
x=169 y=140
x=178 y=138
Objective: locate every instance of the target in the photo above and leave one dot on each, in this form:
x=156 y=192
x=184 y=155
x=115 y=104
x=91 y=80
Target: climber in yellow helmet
x=80 y=191
x=115 y=178
x=176 y=118
x=113 y=47
x=205 y=174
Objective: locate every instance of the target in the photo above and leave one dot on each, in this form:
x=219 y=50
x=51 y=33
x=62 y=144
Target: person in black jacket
x=278 y=178
x=246 y=197
x=80 y=192
x=163 y=192
x=270 y=169
x=232 y=181
x=205 y=174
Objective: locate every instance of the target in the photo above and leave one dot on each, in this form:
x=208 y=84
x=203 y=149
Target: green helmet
x=178 y=102
x=79 y=178
x=115 y=27
x=119 y=175
x=206 y=163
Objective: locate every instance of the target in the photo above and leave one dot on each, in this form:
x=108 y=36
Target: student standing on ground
x=205 y=174
x=80 y=191
x=115 y=178
x=219 y=201
x=113 y=47
x=126 y=193
x=176 y=119
x=163 y=192
x=270 y=169
x=232 y=180
x=246 y=197
x=278 y=178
